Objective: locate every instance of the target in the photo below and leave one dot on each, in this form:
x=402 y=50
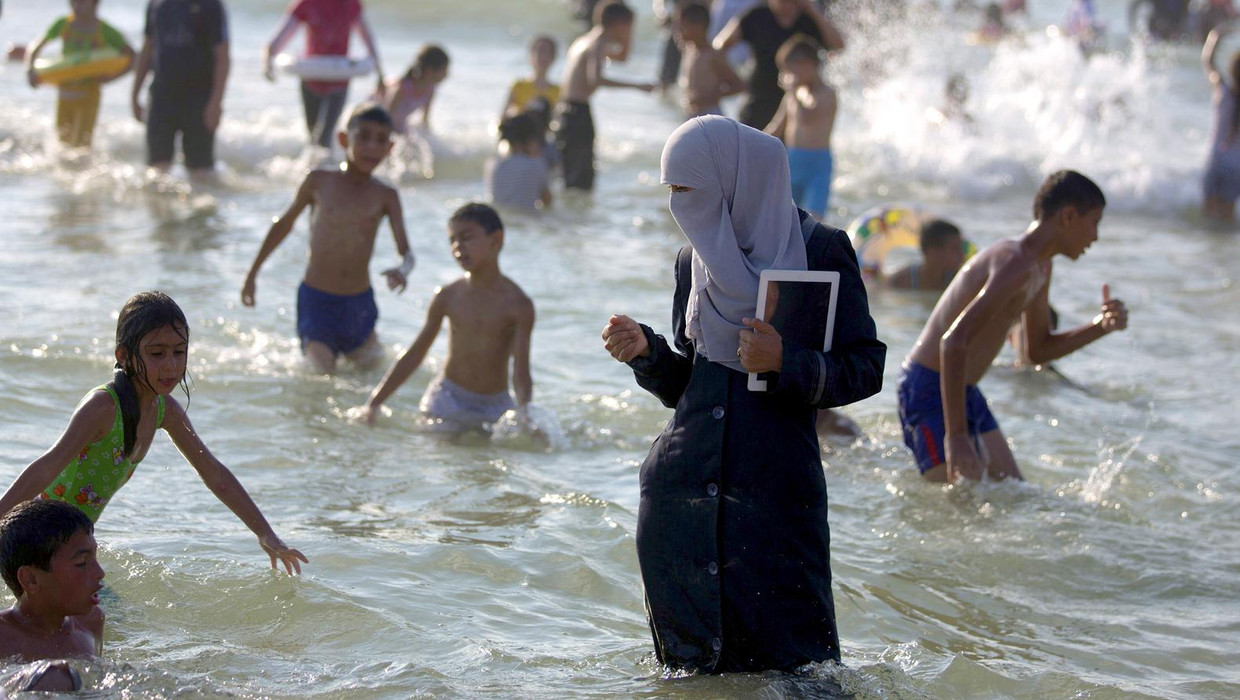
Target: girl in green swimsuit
x=114 y=425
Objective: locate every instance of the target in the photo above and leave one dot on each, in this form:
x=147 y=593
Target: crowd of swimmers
x=48 y=556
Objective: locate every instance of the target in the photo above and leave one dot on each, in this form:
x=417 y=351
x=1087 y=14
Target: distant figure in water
x=706 y=77
x=804 y=122
x=1222 y=177
x=414 y=91
x=942 y=253
x=946 y=421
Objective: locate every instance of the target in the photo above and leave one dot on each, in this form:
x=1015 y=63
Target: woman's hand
x=624 y=339
x=276 y=549
x=763 y=349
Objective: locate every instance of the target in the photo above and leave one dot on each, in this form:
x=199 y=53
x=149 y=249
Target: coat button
x=717 y=412
x=713 y=568
x=712 y=490
x=716 y=644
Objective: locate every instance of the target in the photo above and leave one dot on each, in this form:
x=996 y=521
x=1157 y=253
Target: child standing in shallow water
x=706 y=77
x=490 y=322
x=77 y=104
x=1222 y=178
x=113 y=427
x=336 y=311
x=415 y=90
x=804 y=121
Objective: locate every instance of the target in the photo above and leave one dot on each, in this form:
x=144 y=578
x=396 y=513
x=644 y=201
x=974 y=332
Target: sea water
x=502 y=569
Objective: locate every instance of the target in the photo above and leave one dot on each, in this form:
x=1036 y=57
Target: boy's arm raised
x=397 y=277
x=832 y=39
x=522 y=381
x=954 y=349
x=89 y=424
x=227 y=488
x=279 y=230
x=1043 y=345
x=410 y=359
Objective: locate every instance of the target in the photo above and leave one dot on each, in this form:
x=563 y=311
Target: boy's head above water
x=801 y=58
x=692 y=22
x=942 y=244
x=47 y=551
x=616 y=19
x=1072 y=204
x=367 y=138
x=476 y=235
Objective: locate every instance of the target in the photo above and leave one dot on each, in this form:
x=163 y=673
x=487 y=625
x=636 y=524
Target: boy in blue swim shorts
x=805 y=120
x=945 y=418
x=490 y=322
x=336 y=310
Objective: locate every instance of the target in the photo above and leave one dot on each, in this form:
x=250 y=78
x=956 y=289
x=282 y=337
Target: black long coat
x=732 y=529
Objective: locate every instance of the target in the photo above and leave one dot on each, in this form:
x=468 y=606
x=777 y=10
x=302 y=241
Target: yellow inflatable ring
x=99 y=63
x=879 y=231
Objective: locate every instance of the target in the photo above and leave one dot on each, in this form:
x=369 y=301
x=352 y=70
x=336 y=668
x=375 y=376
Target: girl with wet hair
x=113 y=427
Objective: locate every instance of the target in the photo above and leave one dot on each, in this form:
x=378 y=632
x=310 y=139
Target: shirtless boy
x=336 y=310
x=946 y=422
x=47 y=557
x=804 y=121
x=574 y=131
x=490 y=321
x=706 y=77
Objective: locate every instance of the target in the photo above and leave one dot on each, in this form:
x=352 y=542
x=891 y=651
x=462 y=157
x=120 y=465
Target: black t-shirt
x=183 y=36
x=764 y=36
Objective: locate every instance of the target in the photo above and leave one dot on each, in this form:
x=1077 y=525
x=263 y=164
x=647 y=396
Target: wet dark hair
x=611 y=13
x=936 y=232
x=799 y=46
x=480 y=214
x=143 y=313
x=694 y=13
x=368 y=112
x=31 y=533
x=430 y=57
x=1067 y=188
x=520 y=129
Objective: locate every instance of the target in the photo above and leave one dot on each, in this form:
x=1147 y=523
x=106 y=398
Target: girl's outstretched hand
x=276 y=549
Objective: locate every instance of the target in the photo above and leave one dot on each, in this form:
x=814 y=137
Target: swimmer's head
x=800 y=58
x=430 y=64
x=1072 y=205
x=957 y=89
x=32 y=537
x=942 y=244
x=543 y=49
x=613 y=14
x=476 y=236
x=84 y=9
x=152 y=351
x=692 y=22
x=521 y=130
x=1067 y=188
x=367 y=138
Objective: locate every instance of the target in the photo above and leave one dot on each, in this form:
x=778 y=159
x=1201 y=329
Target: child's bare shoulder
x=516 y=299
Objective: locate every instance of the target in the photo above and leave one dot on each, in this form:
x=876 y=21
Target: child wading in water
x=490 y=320
x=77 y=105
x=113 y=427
x=415 y=90
x=336 y=309
x=804 y=121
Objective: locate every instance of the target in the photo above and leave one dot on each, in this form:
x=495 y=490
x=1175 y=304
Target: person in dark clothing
x=185 y=48
x=765 y=28
x=732 y=533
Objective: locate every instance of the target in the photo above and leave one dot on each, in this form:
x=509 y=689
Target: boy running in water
x=946 y=421
x=336 y=310
x=77 y=104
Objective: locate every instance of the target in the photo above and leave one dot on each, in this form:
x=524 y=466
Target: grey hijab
x=740 y=220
